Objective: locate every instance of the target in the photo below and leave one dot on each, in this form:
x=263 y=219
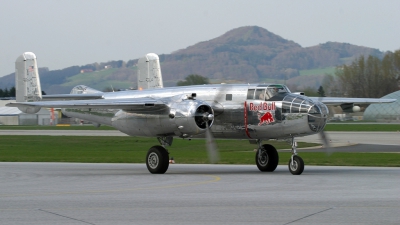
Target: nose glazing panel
x=317 y=112
x=317 y=117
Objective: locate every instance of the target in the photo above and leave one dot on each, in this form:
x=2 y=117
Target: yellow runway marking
x=215 y=179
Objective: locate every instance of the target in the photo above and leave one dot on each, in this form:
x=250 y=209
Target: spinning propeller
x=324 y=137
x=204 y=118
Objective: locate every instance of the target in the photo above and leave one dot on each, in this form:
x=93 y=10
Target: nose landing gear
x=296 y=163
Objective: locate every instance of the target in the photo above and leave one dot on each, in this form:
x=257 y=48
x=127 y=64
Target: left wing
x=130 y=104
x=72 y=97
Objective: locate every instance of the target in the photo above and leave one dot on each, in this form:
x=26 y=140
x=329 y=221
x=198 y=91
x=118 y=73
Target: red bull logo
x=264 y=112
x=263 y=106
x=267 y=118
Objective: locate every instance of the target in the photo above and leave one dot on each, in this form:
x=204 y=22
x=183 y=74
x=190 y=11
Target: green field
x=134 y=149
x=320 y=71
x=97 y=80
x=362 y=127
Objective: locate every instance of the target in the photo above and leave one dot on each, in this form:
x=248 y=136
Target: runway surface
x=73 y=193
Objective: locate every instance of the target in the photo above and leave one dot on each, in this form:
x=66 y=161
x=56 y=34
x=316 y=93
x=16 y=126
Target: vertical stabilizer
x=27 y=82
x=149 y=72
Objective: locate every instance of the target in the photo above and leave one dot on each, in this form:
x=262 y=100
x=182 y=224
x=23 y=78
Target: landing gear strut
x=296 y=163
x=267 y=158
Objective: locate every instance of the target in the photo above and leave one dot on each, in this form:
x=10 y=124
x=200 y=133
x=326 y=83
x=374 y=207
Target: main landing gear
x=157 y=158
x=267 y=159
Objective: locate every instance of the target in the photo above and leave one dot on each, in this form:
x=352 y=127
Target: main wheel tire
x=157 y=160
x=298 y=165
x=267 y=158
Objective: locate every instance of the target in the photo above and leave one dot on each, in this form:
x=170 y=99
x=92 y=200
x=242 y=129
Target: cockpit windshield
x=275 y=89
x=266 y=92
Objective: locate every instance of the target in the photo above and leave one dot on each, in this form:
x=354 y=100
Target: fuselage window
x=250 y=93
x=228 y=97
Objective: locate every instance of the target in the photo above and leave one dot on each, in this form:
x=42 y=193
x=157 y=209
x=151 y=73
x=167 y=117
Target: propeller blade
x=213 y=154
x=326 y=143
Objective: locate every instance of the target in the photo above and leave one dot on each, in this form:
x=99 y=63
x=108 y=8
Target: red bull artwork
x=266 y=118
x=263 y=106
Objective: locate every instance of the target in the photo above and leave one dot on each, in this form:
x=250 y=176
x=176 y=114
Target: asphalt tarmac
x=78 y=193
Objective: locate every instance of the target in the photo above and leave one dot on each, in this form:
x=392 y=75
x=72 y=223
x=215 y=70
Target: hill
x=252 y=54
x=245 y=54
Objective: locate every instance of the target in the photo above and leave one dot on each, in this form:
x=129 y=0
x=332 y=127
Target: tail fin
x=149 y=72
x=27 y=82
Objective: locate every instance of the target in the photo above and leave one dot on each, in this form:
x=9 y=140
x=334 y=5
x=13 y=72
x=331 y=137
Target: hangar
x=13 y=116
x=385 y=112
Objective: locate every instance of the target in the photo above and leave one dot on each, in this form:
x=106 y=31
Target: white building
x=13 y=116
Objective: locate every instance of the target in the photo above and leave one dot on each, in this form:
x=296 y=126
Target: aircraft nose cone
x=318 y=116
x=317 y=112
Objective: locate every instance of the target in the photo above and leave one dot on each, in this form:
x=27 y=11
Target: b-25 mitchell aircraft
x=254 y=112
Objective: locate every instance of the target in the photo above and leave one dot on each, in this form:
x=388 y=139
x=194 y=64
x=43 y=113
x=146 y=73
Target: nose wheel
x=296 y=163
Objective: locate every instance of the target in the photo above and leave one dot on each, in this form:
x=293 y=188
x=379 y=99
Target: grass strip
x=329 y=127
x=73 y=127
x=362 y=127
x=134 y=149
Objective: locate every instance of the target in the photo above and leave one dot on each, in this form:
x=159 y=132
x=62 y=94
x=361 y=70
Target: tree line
x=10 y=93
x=366 y=77
x=6 y=93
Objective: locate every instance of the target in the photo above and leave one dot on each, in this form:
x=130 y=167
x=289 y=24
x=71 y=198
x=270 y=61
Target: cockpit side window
x=250 y=93
x=260 y=94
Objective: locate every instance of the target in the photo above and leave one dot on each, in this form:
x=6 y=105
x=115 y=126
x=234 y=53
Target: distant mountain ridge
x=256 y=53
x=245 y=54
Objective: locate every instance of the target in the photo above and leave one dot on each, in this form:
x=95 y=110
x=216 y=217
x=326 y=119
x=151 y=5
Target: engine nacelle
x=183 y=118
x=350 y=108
x=29 y=109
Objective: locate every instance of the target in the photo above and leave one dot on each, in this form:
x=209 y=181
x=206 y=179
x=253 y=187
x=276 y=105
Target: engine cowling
x=29 y=109
x=184 y=119
x=350 y=108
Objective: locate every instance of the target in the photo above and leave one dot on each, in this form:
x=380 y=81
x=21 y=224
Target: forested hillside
x=252 y=54
x=245 y=54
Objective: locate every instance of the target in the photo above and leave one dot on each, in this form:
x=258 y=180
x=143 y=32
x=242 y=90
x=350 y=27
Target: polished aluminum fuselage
x=236 y=116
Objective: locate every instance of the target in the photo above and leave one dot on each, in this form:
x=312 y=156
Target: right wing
x=340 y=101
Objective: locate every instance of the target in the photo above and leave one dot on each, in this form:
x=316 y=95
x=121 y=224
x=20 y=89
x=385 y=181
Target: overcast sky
x=76 y=32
